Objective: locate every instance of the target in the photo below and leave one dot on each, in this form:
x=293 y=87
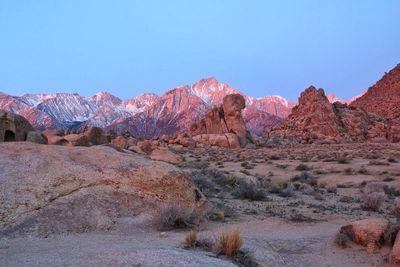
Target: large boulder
x=367 y=232
x=75 y=189
x=90 y=137
x=166 y=155
x=13 y=127
x=36 y=137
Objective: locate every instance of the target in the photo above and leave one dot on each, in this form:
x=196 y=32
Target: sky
x=260 y=47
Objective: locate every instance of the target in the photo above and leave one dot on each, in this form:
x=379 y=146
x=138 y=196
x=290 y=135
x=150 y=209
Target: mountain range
x=147 y=115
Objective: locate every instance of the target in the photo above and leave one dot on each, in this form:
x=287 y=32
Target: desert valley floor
x=304 y=195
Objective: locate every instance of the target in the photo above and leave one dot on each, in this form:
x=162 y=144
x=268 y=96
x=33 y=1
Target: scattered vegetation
x=363 y=170
x=332 y=189
x=174 y=216
x=251 y=191
x=306 y=178
x=372 y=201
x=343 y=160
x=302 y=167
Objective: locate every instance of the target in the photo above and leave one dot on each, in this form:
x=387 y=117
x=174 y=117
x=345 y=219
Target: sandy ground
x=272 y=241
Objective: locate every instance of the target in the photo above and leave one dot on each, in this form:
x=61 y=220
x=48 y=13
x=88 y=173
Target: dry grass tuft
x=190 y=239
x=228 y=244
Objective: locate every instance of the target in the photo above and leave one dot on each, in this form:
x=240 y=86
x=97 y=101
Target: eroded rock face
x=226 y=119
x=76 y=189
x=13 y=127
x=315 y=119
x=383 y=98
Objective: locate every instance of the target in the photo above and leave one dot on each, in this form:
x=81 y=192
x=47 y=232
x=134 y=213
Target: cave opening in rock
x=9 y=136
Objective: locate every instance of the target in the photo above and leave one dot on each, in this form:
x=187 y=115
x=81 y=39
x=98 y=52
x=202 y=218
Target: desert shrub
x=245 y=259
x=391 y=191
x=202 y=181
x=306 y=178
x=228 y=244
x=296 y=216
x=372 y=201
x=174 y=216
x=332 y=189
x=190 y=239
x=363 y=170
x=343 y=160
x=346 y=199
x=205 y=243
x=392 y=160
x=302 y=167
x=342 y=240
x=245 y=172
x=388 y=179
x=395 y=210
x=274 y=157
x=378 y=163
x=286 y=190
x=251 y=191
x=219 y=211
x=282 y=166
x=320 y=171
x=348 y=171
x=389 y=236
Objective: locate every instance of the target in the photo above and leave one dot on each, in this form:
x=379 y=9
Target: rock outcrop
x=90 y=137
x=367 y=232
x=383 y=99
x=13 y=127
x=315 y=119
x=77 y=189
x=223 y=120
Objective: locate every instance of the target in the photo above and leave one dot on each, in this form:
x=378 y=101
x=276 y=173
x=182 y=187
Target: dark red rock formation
x=315 y=119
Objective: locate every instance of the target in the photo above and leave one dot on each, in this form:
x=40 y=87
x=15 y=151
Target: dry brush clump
x=372 y=201
x=251 y=191
x=175 y=216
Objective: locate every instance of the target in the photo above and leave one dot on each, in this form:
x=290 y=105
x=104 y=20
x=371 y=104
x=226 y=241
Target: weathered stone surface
x=13 y=127
x=367 y=232
x=165 y=155
x=82 y=188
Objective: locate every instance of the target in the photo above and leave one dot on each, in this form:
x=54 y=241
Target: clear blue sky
x=261 y=47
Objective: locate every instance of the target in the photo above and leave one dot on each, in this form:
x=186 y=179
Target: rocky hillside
x=315 y=119
x=383 y=98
